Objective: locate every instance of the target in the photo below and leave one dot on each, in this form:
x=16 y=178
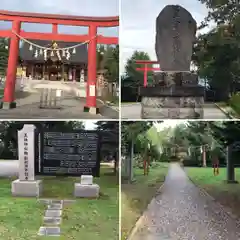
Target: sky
x=137 y=26
x=65 y=7
x=90 y=125
x=168 y=123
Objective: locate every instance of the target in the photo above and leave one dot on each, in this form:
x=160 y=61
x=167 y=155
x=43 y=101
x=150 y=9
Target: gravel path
x=182 y=212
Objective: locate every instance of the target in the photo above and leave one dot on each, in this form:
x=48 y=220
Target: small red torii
x=146 y=69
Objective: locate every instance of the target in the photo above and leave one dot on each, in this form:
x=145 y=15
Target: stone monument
x=26 y=185
x=174 y=92
x=49 y=153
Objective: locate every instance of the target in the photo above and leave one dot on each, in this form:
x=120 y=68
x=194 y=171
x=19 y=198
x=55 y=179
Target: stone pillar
x=26 y=185
x=63 y=72
x=230 y=166
x=91 y=101
x=74 y=74
x=70 y=74
x=9 y=90
x=43 y=71
x=32 y=71
x=82 y=77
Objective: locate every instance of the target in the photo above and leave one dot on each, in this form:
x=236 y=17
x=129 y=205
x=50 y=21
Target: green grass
x=136 y=196
x=227 y=194
x=95 y=219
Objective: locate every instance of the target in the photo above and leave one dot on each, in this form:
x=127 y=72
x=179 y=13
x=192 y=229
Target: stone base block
x=8 y=105
x=86 y=191
x=178 y=78
x=92 y=110
x=26 y=188
x=172 y=108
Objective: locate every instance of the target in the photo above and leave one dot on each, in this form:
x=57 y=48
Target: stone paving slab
x=71 y=107
x=49 y=201
x=53 y=213
x=55 y=206
x=181 y=211
x=52 y=220
x=49 y=231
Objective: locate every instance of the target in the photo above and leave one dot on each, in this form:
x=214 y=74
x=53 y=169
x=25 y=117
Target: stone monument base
x=172 y=108
x=86 y=191
x=26 y=188
x=176 y=102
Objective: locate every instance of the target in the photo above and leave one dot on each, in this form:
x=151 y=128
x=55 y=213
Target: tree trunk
x=130 y=177
x=204 y=157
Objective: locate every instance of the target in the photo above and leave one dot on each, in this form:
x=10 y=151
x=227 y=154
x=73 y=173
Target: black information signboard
x=70 y=153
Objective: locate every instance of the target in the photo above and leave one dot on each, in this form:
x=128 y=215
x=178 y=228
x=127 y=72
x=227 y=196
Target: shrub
x=234 y=102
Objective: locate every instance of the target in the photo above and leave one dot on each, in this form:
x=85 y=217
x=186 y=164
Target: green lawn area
x=95 y=219
x=136 y=196
x=227 y=194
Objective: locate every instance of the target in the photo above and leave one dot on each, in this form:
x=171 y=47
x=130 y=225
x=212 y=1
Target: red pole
x=54 y=28
x=91 y=102
x=9 y=90
x=145 y=75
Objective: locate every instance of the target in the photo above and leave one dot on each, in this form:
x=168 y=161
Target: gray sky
x=66 y=7
x=90 y=125
x=137 y=31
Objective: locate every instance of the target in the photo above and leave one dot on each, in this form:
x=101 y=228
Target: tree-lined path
x=182 y=211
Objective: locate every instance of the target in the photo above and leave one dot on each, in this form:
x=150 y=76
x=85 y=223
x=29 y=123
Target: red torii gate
x=91 y=22
x=146 y=69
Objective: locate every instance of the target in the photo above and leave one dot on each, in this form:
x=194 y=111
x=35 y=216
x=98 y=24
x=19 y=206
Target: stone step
x=50 y=201
x=55 y=206
x=52 y=220
x=53 y=213
x=49 y=231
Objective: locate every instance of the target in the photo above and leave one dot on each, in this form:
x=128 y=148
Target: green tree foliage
x=132 y=76
x=217 y=52
x=112 y=129
x=131 y=129
x=111 y=64
x=9 y=131
x=226 y=133
x=217 y=56
x=3 y=56
x=222 y=11
x=108 y=61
